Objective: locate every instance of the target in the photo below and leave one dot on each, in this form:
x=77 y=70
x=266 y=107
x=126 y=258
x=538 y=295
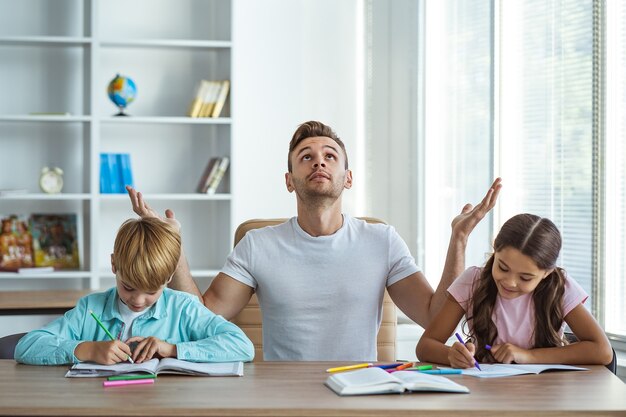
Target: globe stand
x=121 y=113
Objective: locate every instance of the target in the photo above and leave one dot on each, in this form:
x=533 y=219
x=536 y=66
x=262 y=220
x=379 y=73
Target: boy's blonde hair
x=146 y=252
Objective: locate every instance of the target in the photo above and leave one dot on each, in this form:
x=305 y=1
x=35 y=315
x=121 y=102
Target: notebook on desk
x=156 y=367
x=497 y=370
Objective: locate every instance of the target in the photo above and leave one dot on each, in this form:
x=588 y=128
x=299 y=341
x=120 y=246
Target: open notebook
x=497 y=370
x=155 y=367
x=378 y=381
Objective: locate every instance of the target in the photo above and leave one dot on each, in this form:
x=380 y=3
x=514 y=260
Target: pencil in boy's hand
x=106 y=331
x=458 y=336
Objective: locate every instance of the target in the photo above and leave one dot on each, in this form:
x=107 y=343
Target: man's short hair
x=146 y=252
x=313 y=129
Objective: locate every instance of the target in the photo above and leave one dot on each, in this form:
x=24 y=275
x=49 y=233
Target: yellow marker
x=349 y=367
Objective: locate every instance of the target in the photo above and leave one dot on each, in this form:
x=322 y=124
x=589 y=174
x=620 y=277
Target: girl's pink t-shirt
x=514 y=318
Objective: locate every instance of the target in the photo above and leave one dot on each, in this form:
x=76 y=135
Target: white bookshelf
x=59 y=56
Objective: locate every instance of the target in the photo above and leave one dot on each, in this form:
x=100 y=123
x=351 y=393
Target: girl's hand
x=150 y=347
x=461 y=356
x=508 y=353
x=105 y=353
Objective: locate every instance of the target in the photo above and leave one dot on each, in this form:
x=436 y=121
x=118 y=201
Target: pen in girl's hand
x=458 y=336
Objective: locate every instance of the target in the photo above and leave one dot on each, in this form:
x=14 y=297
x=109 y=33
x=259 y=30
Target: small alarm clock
x=51 y=180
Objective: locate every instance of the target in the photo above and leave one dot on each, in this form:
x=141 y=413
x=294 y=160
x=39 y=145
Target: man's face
x=318 y=169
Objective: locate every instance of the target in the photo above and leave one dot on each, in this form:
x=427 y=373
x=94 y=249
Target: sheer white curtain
x=545 y=137
x=615 y=164
x=457 y=123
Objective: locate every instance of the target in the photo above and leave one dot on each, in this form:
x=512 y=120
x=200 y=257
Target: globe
x=122 y=91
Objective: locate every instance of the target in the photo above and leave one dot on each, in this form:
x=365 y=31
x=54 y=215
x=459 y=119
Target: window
x=545 y=137
x=614 y=243
x=458 y=127
x=511 y=88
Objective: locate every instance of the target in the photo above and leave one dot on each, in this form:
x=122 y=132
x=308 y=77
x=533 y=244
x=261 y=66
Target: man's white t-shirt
x=321 y=297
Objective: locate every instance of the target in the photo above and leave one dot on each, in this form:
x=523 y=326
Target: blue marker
x=442 y=371
x=458 y=336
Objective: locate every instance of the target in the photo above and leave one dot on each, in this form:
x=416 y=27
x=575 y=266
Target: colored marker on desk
x=442 y=371
x=420 y=368
x=349 y=367
x=128 y=382
x=458 y=336
x=106 y=331
x=387 y=366
x=130 y=377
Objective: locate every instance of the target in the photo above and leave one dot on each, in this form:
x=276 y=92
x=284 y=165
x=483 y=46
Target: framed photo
x=55 y=240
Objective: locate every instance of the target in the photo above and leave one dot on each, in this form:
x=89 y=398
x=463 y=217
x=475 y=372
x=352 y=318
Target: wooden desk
x=296 y=389
x=39 y=302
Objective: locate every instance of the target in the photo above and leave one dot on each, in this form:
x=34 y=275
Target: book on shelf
x=196 y=103
x=378 y=381
x=209 y=99
x=115 y=173
x=157 y=367
x=55 y=240
x=217 y=177
x=16 y=243
x=221 y=98
x=126 y=170
x=497 y=370
x=207 y=175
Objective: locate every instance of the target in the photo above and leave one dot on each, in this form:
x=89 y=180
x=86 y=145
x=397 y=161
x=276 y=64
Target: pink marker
x=127 y=382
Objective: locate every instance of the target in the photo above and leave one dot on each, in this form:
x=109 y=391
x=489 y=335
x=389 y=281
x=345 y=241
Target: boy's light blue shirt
x=177 y=318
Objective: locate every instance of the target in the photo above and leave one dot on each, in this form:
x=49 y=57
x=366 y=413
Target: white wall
x=293 y=61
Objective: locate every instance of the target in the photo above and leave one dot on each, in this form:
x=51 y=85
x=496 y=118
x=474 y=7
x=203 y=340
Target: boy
x=139 y=310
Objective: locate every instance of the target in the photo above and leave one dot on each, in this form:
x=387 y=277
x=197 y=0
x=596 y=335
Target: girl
x=515 y=306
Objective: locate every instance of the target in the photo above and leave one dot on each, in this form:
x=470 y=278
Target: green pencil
x=106 y=330
x=129 y=377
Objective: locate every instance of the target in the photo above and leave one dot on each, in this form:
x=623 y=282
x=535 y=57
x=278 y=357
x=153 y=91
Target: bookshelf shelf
x=45 y=118
x=45 y=40
x=47 y=275
x=166 y=43
x=65 y=62
x=49 y=197
x=168 y=120
x=171 y=197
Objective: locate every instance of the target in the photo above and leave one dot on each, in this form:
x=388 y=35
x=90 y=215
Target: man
x=320 y=277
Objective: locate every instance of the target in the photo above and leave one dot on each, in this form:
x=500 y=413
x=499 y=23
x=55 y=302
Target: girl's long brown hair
x=539 y=239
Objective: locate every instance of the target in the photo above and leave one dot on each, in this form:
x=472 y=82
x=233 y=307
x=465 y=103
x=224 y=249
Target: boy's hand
x=508 y=353
x=106 y=353
x=150 y=347
x=462 y=356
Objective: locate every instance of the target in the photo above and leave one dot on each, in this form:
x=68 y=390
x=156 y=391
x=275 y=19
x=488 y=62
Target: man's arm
x=413 y=295
x=226 y=296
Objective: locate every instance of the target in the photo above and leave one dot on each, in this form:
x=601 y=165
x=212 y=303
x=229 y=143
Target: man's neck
x=320 y=221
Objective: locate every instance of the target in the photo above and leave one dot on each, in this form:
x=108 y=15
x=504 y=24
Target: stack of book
x=115 y=173
x=213 y=174
x=209 y=99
